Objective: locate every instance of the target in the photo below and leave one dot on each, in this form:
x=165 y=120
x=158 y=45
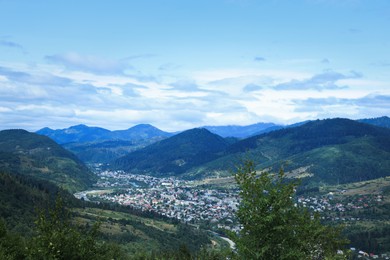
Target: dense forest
x=38 y=218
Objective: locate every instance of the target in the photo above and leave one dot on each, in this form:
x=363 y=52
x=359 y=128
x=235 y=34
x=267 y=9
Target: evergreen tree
x=274 y=227
x=57 y=238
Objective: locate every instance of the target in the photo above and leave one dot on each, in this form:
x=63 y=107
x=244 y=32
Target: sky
x=179 y=64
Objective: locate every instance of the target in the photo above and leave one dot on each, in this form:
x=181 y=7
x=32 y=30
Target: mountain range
x=83 y=134
x=321 y=151
x=37 y=179
x=100 y=145
x=176 y=154
x=34 y=168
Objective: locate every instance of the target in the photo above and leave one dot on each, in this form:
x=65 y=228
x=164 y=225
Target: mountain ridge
x=331 y=150
x=186 y=149
x=83 y=134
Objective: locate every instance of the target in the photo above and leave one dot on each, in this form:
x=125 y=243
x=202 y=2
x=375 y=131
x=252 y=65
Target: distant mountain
x=77 y=133
x=383 y=121
x=174 y=155
x=99 y=145
x=141 y=131
x=86 y=134
x=242 y=131
x=107 y=151
x=22 y=152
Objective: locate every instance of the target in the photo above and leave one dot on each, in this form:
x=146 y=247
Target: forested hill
x=321 y=151
x=22 y=152
x=312 y=135
x=176 y=154
x=383 y=121
x=324 y=151
x=21 y=196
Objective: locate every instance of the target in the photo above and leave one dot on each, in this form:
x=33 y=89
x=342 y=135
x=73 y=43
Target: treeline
x=21 y=196
x=373 y=240
x=54 y=237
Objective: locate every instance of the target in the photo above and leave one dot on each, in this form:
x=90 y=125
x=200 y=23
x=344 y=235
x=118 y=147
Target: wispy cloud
x=323 y=81
x=11 y=44
x=27 y=78
x=140 y=56
x=168 y=66
x=185 y=85
x=251 y=88
x=381 y=63
x=46 y=95
x=375 y=101
x=36 y=97
x=89 y=63
x=259 y=58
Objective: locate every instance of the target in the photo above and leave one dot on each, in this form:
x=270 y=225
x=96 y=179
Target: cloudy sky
x=179 y=64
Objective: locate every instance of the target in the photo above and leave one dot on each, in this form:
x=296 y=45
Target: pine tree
x=274 y=227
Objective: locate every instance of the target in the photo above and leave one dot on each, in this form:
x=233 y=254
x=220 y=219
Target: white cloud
x=322 y=81
x=46 y=95
x=89 y=63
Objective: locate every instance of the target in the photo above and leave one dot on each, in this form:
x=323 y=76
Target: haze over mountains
x=83 y=134
x=99 y=145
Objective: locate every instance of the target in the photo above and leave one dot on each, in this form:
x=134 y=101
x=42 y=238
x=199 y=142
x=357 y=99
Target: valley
x=211 y=205
x=154 y=193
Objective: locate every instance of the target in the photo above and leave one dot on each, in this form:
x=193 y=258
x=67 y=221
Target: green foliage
x=186 y=150
x=370 y=239
x=273 y=227
x=20 y=196
x=11 y=245
x=335 y=150
x=31 y=154
x=57 y=238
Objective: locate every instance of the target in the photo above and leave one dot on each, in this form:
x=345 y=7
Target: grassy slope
x=141 y=234
x=31 y=154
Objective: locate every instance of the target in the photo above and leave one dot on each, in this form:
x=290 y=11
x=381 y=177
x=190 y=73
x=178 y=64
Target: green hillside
x=176 y=154
x=20 y=196
x=22 y=152
x=132 y=234
x=383 y=121
x=329 y=151
x=107 y=151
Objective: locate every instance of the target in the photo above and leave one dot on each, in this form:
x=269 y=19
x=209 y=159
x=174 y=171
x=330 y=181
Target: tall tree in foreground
x=274 y=227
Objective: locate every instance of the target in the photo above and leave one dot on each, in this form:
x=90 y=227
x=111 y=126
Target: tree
x=273 y=226
x=11 y=245
x=57 y=238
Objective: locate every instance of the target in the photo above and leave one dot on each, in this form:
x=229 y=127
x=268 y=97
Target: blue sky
x=179 y=64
